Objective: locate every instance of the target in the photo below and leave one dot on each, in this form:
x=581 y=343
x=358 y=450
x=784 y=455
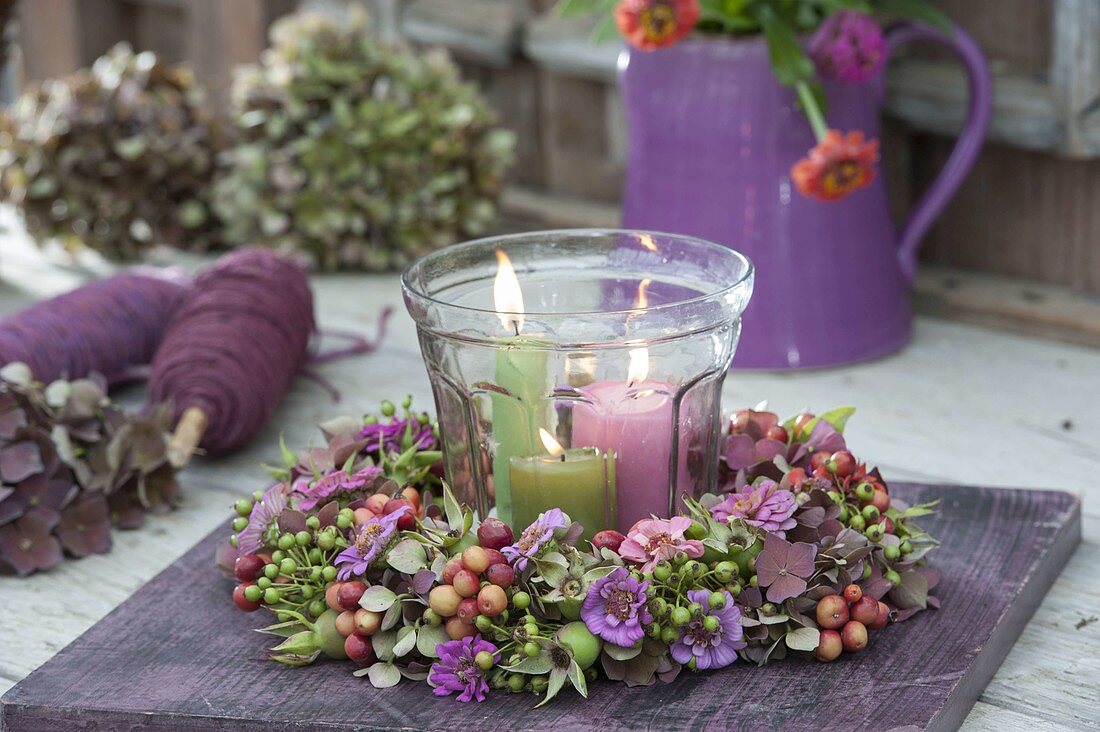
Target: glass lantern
x=579 y=369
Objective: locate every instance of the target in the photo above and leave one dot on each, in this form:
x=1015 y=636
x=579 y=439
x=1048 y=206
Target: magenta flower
x=614 y=608
x=766 y=505
x=337 y=481
x=457 y=669
x=784 y=567
x=391 y=437
x=710 y=648
x=535 y=537
x=651 y=540
x=370 y=542
x=264 y=513
x=849 y=46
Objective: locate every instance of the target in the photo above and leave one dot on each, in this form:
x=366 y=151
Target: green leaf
x=789 y=61
x=557 y=680
x=392 y=616
x=406 y=641
x=576 y=677
x=920 y=509
x=918 y=10
x=912 y=592
x=803 y=639
x=605 y=30
x=620 y=653
x=540 y=664
x=573 y=8
x=407 y=556
x=383 y=644
x=377 y=598
x=290 y=458
x=428 y=638
x=383 y=675
x=838 y=417
x=299 y=644
x=452 y=509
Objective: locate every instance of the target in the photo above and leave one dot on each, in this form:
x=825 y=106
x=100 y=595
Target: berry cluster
x=475 y=583
x=845 y=620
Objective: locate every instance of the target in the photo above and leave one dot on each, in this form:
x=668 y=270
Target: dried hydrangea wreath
x=362 y=554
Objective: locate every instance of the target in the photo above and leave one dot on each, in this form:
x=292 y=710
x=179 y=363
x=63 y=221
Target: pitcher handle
x=966 y=149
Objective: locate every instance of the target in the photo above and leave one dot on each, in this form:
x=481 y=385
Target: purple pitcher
x=713 y=137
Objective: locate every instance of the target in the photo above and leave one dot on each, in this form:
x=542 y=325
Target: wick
x=515 y=327
x=563 y=457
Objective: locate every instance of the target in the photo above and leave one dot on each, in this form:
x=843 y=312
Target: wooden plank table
x=960 y=404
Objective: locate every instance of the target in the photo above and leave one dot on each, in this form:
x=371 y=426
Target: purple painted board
x=177 y=655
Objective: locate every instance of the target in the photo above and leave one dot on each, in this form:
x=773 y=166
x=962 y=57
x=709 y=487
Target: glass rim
x=747 y=267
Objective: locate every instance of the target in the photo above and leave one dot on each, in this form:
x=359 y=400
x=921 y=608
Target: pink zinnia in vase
x=765 y=505
x=849 y=46
x=652 y=540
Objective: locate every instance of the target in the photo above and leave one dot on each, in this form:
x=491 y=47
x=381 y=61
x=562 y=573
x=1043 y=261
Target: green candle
x=521 y=371
x=579 y=481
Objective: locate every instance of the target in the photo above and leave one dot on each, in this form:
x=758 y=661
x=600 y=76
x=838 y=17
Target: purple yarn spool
x=235 y=345
x=110 y=326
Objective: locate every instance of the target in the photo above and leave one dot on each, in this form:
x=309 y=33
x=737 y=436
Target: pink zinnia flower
x=838 y=165
x=651 y=540
x=766 y=505
x=849 y=46
x=651 y=24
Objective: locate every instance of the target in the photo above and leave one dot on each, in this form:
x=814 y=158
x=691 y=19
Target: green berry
x=313 y=522
x=257 y=495
x=287 y=567
x=865 y=491
x=735 y=588
x=278 y=555
x=662 y=571
x=725 y=571
x=303 y=538
x=317 y=607
x=695 y=609
x=388 y=410
x=531 y=649
x=669 y=636
x=521 y=600
x=836 y=497
x=658 y=606
x=529 y=619
x=343 y=522
x=870 y=514
x=539 y=684
x=856 y=523
x=481 y=622
x=717 y=600
x=754 y=581
x=272 y=596
x=407 y=402
x=314 y=574
x=233 y=541
x=286 y=542
x=892 y=577
x=271 y=571
x=866 y=570
x=680 y=558
x=531 y=630
x=891 y=552
x=484 y=660
x=432 y=618
x=315 y=556
x=681 y=616
x=243 y=507
x=874 y=532
x=326 y=541
x=328 y=574
x=263 y=583
x=653 y=630
x=711 y=623
x=905 y=547
x=308 y=592
x=253 y=593
x=239 y=523
x=844 y=514
x=516 y=682
x=696 y=530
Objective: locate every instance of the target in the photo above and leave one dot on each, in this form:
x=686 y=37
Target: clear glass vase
x=590 y=379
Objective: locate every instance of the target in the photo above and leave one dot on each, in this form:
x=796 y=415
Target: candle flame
x=647 y=241
x=552 y=446
x=507 y=295
x=638 y=369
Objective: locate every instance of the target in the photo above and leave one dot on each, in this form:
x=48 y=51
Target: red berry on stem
x=330 y=597
x=412 y=495
x=243 y=602
x=829 y=646
x=866 y=610
x=450 y=569
x=841 y=463
x=407 y=522
x=832 y=612
x=883 y=617
x=349 y=593
x=377 y=503
x=345 y=623
x=363 y=515
x=608 y=539
x=495 y=557
x=854 y=636
x=458 y=629
x=852 y=593
x=777 y=433
x=881 y=500
x=500 y=575
x=802 y=423
x=466 y=583
x=367 y=622
x=475 y=559
x=248 y=567
x=492 y=601
x=818 y=460
x=359 y=649
x=444 y=600
x=494 y=534
x=796 y=476
x=467 y=609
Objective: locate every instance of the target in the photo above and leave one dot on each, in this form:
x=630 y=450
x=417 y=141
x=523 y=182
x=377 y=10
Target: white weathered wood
x=1075 y=73
x=960 y=404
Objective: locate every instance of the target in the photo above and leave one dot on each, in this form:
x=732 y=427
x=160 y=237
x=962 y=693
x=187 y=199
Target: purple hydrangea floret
x=535 y=537
x=710 y=648
x=614 y=608
x=457 y=670
x=765 y=505
x=370 y=541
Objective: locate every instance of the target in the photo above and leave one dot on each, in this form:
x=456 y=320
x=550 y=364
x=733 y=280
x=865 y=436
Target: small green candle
x=579 y=481
x=521 y=370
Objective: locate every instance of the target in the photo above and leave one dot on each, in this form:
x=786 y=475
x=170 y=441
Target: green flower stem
x=812 y=111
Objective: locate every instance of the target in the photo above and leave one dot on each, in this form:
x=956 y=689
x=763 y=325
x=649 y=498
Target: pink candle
x=633 y=420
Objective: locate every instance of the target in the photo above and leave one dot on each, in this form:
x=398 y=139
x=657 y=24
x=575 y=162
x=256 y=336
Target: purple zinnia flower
x=710 y=648
x=391 y=437
x=535 y=537
x=457 y=669
x=264 y=513
x=370 y=541
x=849 y=46
x=766 y=505
x=614 y=608
x=337 y=481
x=784 y=567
